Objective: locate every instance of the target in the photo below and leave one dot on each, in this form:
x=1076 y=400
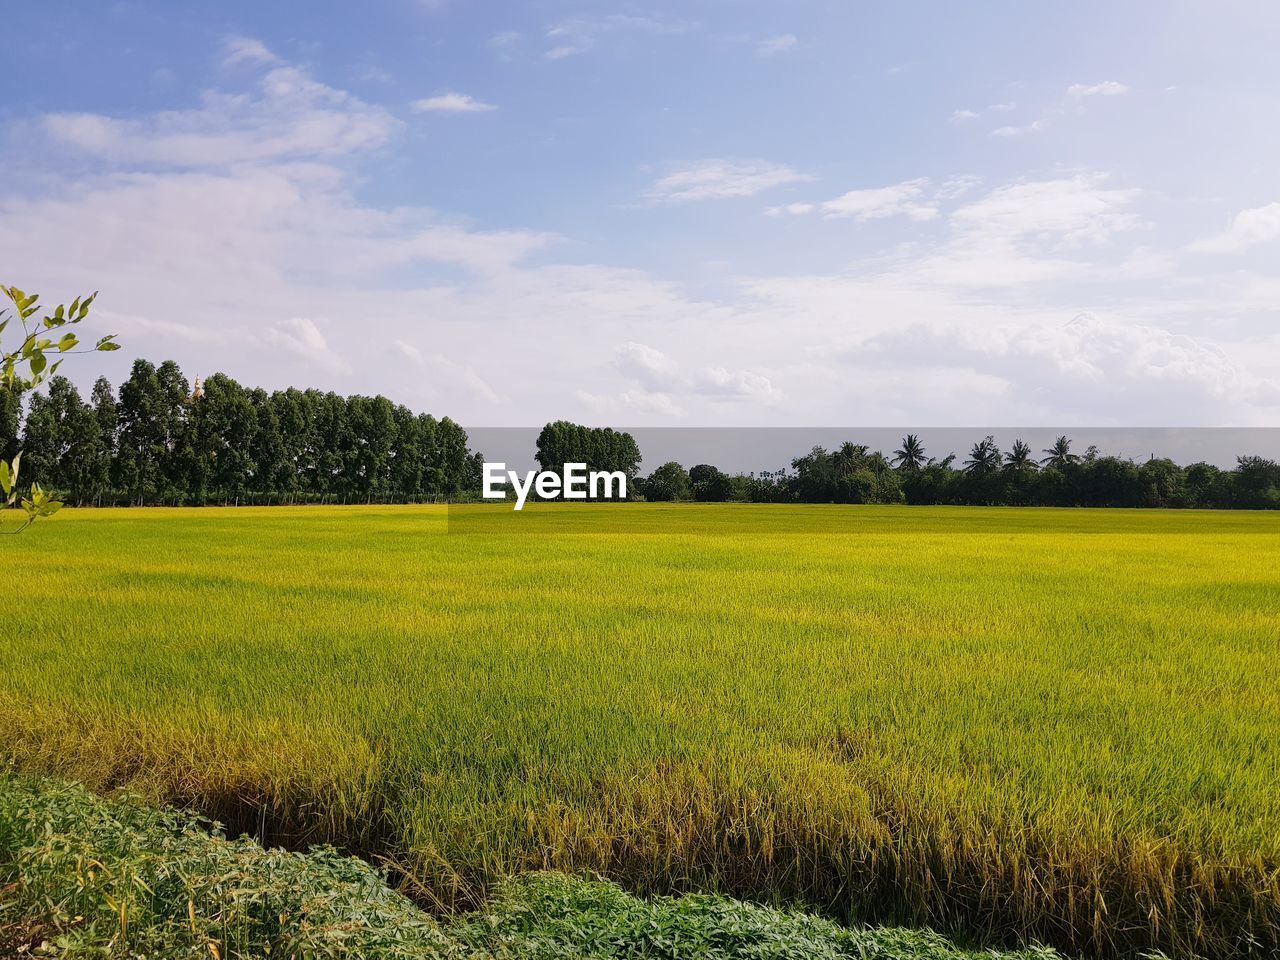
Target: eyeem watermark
x=575 y=483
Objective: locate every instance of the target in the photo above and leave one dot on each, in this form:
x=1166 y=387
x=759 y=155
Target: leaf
x=6 y=478
x=67 y=342
x=37 y=363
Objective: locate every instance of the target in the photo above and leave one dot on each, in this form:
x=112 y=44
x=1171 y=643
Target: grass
x=86 y=877
x=1023 y=725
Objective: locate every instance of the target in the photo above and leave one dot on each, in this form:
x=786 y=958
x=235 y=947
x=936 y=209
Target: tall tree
x=106 y=415
x=910 y=456
x=1019 y=459
x=1060 y=456
x=984 y=458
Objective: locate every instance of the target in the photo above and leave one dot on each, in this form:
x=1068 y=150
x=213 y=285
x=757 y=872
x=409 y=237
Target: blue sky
x=698 y=213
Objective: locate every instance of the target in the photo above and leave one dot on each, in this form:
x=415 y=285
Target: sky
x=697 y=213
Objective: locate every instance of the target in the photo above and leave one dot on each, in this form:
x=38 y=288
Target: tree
x=224 y=425
x=1162 y=483
x=669 y=482
x=984 y=458
x=25 y=365
x=604 y=449
x=1018 y=459
x=1257 y=483
x=710 y=485
x=143 y=445
x=61 y=440
x=1060 y=456
x=10 y=419
x=107 y=417
x=911 y=456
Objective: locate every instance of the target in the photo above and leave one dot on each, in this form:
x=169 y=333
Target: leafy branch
x=28 y=365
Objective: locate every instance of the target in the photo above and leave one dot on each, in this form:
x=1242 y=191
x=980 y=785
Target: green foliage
x=25 y=366
x=605 y=449
x=86 y=877
x=668 y=482
x=160 y=444
x=937 y=717
x=990 y=478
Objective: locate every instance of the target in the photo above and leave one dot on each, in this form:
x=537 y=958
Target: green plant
x=1054 y=725
x=81 y=876
x=27 y=365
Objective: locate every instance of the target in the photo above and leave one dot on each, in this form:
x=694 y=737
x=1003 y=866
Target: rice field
x=1014 y=724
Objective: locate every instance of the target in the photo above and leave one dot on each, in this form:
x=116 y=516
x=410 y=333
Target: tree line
x=159 y=441
x=1019 y=476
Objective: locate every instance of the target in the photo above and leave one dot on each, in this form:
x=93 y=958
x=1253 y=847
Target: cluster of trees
x=989 y=476
x=158 y=441
x=600 y=448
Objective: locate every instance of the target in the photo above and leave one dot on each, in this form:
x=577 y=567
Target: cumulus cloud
x=1248 y=228
x=451 y=103
x=719 y=179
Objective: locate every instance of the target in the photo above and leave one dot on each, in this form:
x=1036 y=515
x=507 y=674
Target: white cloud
x=957 y=186
x=224 y=236
x=653 y=368
x=1036 y=126
x=302 y=337
x=1108 y=88
x=580 y=34
x=451 y=103
x=719 y=179
x=1249 y=228
x=506 y=44
x=908 y=199
x=237 y=49
x=1113 y=371
x=736 y=385
x=960 y=116
x=409 y=352
x=782 y=43
x=631 y=402
x=1068 y=211
x=465 y=376
x=292 y=116
x=660 y=375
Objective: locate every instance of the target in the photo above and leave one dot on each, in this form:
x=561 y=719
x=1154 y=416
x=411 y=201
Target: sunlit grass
x=1055 y=724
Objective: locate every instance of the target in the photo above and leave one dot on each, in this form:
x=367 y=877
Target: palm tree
x=1059 y=455
x=984 y=458
x=1019 y=458
x=911 y=456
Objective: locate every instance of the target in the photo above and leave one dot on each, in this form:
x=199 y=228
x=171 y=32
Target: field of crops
x=1061 y=725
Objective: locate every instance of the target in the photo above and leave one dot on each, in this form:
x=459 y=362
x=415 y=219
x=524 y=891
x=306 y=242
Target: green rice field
x=1014 y=724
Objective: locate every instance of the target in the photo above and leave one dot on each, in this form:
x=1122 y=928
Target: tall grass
x=86 y=877
x=1021 y=724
